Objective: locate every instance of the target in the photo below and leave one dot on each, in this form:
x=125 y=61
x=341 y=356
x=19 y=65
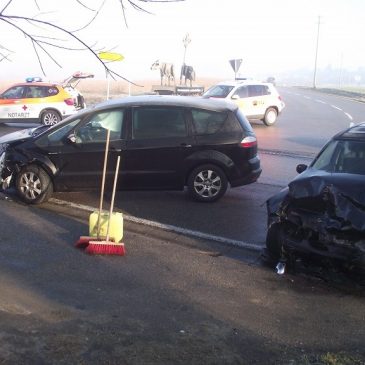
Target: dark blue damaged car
x=322 y=211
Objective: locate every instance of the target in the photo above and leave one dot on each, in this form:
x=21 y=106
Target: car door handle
x=186 y=145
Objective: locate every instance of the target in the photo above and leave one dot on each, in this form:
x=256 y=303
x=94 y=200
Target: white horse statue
x=166 y=70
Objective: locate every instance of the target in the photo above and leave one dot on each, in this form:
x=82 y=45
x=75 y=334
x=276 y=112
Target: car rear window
x=158 y=122
x=207 y=122
x=210 y=122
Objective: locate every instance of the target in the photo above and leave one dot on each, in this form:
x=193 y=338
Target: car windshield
x=219 y=91
x=342 y=156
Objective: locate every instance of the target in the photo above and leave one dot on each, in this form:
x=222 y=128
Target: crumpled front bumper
x=5 y=176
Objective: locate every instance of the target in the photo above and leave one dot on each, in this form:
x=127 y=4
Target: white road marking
x=349 y=116
x=335 y=107
x=320 y=101
x=168 y=227
x=307 y=97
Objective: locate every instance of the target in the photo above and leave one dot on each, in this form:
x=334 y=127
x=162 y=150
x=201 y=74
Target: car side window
x=96 y=127
x=327 y=159
x=242 y=92
x=15 y=92
x=158 y=122
x=266 y=90
x=352 y=158
x=255 y=90
x=34 y=92
x=56 y=134
x=207 y=122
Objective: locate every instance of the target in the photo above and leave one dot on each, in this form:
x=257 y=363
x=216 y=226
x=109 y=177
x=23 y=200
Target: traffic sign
x=236 y=64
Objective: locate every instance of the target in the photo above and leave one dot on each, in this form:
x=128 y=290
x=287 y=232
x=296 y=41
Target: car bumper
x=247 y=179
x=5 y=178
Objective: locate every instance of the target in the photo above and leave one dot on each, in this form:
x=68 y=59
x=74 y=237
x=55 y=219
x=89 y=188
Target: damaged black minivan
x=322 y=211
x=165 y=143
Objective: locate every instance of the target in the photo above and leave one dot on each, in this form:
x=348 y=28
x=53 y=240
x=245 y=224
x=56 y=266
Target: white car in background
x=257 y=100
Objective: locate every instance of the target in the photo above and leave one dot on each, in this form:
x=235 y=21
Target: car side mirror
x=235 y=97
x=301 y=167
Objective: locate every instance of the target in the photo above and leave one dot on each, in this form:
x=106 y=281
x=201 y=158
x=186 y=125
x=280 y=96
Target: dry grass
x=96 y=90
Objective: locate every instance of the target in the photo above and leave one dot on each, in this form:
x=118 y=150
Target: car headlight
x=3 y=147
x=2 y=161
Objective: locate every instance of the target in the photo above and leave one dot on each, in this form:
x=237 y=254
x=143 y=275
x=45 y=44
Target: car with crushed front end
x=321 y=214
x=165 y=143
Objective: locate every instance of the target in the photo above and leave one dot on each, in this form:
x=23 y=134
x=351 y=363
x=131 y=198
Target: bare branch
x=4 y=8
x=41 y=43
x=93 y=18
x=36 y=4
x=86 y=7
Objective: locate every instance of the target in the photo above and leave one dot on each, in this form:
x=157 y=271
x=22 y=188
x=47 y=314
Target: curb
x=167 y=227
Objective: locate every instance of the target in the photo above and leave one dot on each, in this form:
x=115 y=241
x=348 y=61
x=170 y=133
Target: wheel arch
x=49 y=168
x=209 y=157
x=52 y=109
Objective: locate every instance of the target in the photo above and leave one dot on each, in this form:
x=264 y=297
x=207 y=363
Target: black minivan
x=165 y=142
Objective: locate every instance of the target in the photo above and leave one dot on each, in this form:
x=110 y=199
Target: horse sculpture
x=166 y=70
x=187 y=72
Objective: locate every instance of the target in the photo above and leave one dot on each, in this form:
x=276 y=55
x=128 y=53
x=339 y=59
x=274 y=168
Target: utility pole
x=315 y=60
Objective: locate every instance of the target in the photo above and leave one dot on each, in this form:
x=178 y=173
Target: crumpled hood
x=23 y=134
x=344 y=193
x=18 y=135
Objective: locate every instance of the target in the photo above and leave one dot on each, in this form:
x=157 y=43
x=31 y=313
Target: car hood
x=341 y=196
x=23 y=134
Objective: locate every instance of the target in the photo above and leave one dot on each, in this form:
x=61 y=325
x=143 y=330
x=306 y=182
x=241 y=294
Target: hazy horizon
x=272 y=38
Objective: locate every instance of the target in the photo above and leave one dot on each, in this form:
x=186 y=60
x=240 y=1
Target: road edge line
x=167 y=227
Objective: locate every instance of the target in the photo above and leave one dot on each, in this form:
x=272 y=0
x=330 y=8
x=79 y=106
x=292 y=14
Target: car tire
x=273 y=244
x=33 y=185
x=50 y=117
x=270 y=116
x=207 y=183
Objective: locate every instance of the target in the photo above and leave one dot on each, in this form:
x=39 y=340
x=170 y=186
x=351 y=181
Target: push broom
x=83 y=241
x=108 y=247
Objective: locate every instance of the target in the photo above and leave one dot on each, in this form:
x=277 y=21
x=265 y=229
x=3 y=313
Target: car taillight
x=69 y=101
x=248 y=142
x=280 y=98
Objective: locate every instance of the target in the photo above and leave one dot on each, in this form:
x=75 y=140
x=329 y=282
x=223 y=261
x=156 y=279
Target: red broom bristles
x=84 y=241
x=105 y=248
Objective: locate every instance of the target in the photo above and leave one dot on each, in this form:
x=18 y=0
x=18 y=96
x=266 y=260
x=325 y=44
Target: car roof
x=34 y=84
x=355 y=132
x=242 y=82
x=168 y=100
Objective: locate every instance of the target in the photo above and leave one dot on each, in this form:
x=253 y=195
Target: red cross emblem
x=24 y=107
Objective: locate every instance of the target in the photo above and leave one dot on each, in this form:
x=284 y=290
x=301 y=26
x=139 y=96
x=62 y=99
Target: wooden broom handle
x=103 y=181
x=113 y=196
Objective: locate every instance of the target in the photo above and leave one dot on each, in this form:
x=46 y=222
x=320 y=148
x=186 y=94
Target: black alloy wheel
x=207 y=183
x=33 y=185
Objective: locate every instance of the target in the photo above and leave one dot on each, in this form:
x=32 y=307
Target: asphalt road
x=172 y=299
x=176 y=298
x=308 y=121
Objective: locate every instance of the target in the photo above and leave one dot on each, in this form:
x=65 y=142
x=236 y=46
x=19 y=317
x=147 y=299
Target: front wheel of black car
x=207 y=183
x=33 y=185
